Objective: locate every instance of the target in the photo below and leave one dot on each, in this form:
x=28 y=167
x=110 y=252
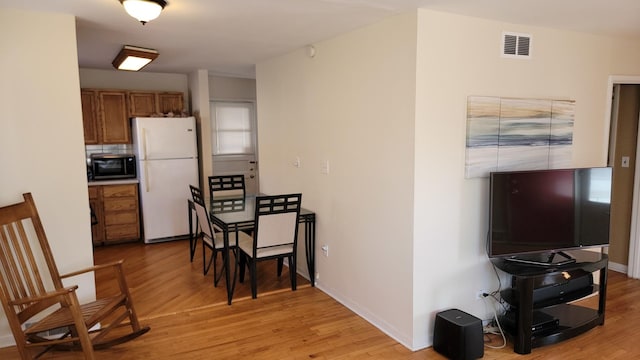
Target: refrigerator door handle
x=146 y=176
x=143 y=132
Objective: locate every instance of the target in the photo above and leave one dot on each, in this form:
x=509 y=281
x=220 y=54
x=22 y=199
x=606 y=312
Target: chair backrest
x=23 y=246
x=201 y=212
x=196 y=193
x=226 y=185
x=228 y=205
x=276 y=224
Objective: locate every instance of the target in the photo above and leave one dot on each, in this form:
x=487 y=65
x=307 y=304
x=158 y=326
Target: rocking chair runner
x=25 y=297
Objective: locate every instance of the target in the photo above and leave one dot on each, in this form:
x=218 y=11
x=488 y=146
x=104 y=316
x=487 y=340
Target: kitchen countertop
x=113 y=182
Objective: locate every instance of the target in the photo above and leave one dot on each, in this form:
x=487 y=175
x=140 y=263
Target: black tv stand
x=572 y=319
x=544 y=259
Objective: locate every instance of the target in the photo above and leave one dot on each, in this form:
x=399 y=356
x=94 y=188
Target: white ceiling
x=228 y=37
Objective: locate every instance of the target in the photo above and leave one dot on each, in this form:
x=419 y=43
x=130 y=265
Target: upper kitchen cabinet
x=89 y=100
x=104 y=117
x=142 y=103
x=170 y=102
x=106 y=112
x=114 y=117
x=149 y=103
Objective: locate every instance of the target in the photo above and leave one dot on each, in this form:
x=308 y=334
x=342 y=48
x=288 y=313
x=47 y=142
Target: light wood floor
x=189 y=318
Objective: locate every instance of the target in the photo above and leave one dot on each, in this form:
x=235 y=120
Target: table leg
x=310 y=248
x=235 y=265
x=225 y=234
x=522 y=342
x=602 y=291
x=192 y=238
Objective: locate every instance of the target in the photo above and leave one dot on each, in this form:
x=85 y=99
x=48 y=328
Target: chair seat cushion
x=246 y=245
x=219 y=239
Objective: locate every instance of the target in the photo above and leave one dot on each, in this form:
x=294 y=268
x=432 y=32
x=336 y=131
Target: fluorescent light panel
x=133 y=58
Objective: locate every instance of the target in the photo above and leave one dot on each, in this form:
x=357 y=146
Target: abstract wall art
x=506 y=134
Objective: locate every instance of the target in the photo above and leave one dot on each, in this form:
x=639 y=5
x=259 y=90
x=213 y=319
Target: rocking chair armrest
x=93 y=268
x=47 y=295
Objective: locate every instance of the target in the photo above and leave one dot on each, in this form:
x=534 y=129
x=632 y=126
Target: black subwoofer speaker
x=458 y=335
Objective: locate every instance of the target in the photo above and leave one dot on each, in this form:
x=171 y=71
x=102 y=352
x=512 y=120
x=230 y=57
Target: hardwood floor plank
x=189 y=318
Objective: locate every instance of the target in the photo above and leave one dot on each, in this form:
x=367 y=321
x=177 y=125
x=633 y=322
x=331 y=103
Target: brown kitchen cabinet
x=106 y=113
x=105 y=116
x=114 y=117
x=142 y=103
x=89 y=99
x=170 y=102
x=153 y=103
x=119 y=213
x=97 y=216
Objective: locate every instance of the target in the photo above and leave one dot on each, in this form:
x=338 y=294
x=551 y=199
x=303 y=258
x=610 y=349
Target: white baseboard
x=618 y=267
x=371 y=318
x=6 y=341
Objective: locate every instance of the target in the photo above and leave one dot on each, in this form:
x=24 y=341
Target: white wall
x=41 y=136
x=353 y=105
x=386 y=105
x=460 y=56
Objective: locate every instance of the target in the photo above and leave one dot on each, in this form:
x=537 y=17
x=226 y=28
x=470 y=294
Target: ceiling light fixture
x=144 y=10
x=133 y=58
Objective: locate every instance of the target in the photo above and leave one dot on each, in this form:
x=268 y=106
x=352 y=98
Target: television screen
x=547 y=211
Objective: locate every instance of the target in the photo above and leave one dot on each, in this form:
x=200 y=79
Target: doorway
x=233 y=141
x=624 y=108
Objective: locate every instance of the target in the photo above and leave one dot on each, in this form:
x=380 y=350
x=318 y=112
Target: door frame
x=633 y=267
x=237 y=157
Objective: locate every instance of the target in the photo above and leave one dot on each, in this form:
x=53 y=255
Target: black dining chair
x=275 y=236
x=210 y=239
x=226 y=185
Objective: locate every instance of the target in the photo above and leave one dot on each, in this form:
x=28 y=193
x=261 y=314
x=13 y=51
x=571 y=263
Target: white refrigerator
x=167 y=158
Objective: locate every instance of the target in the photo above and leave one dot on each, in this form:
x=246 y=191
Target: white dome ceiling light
x=144 y=10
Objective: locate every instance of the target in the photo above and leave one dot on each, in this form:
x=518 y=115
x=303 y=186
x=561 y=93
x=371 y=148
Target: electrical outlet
x=479 y=294
x=325 y=250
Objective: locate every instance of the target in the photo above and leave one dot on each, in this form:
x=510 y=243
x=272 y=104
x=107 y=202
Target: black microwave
x=113 y=166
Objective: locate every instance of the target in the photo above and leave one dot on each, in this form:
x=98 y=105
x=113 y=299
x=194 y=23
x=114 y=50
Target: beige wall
x=41 y=136
x=231 y=88
x=199 y=93
x=459 y=56
x=386 y=105
x=353 y=105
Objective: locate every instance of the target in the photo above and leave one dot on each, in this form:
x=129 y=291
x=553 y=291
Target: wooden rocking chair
x=35 y=311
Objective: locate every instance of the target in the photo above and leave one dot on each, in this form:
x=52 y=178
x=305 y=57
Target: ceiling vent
x=515 y=45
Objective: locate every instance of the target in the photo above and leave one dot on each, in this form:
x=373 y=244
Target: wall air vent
x=515 y=45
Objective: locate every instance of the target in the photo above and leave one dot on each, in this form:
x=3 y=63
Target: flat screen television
x=536 y=215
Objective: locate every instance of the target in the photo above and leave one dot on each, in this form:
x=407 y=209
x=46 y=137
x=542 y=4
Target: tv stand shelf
x=572 y=319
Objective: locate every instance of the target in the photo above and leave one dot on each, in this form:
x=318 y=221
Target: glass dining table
x=232 y=214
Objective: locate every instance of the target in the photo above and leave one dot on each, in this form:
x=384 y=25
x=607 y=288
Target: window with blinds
x=232 y=128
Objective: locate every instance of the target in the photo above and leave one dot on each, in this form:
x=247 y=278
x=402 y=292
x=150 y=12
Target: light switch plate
x=324 y=167
x=625 y=161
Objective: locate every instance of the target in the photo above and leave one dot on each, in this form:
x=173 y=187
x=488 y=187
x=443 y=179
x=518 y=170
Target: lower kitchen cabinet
x=117 y=212
x=97 y=215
